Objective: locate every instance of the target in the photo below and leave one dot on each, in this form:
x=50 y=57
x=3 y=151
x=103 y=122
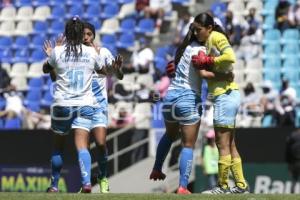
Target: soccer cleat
x=217 y=190
x=238 y=190
x=157 y=175
x=52 y=190
x=182 y=190
x=86 y=188
x=104 y=187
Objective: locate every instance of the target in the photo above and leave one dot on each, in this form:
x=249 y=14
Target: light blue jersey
x=182 y=102
x=187 y=77
x=74 y=77
x=73 y=95
x=100 y=117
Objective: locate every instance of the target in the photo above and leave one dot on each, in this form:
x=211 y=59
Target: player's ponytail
x=74 y=34
x=188 y=39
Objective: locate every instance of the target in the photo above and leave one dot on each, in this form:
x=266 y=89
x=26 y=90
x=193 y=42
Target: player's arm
x=117 y=67
x=226 y=52
x=216 y=75
x=48 y=69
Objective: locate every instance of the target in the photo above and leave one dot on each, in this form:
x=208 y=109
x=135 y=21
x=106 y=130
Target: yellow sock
x=237 y=172
x=224 y=166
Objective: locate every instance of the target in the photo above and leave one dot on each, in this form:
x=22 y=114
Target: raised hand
x=60 y=40
x=117 y=66
x=47 y=47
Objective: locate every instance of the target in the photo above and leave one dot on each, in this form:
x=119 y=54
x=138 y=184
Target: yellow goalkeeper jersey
x=218 y=46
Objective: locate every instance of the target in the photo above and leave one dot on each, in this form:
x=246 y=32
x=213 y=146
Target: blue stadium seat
x=2 y=103
x=292 y=76
x=21 y=42
x=145 y=26
x=14 y=123
x=47 y=99
x=272 y=63
x=108 y=40
x=5 y=42
x=121 y=2
x=106 y=2
x=290 y=36
x=56 y=28
x=272 y=50
x=272 y=75
x=74 y=2
x=96 y=22
x=160 y=53
x=113 y=50
x=161 y=65
x=126 y=41
x=291 y=62
x=40 y=28
x=56 y=12
x=127 y=25
x=35 y=83
x=91 y=2
x=92 y=12
x=272 y=36
x=218 y=9
x=290 y=50
x=37 y=56
x=38 y=3
x=75 y=9
x=109 y=11
x=6 y=56
x=269 y=22
x=34 y=106
x=37 y=42
x=267 y=121
x=21 y=55
x=21 y=3
x=297 y=122
x=55 y=3
x=1 y=123
x=269 y=8
x=33 y=95
x=181 y=2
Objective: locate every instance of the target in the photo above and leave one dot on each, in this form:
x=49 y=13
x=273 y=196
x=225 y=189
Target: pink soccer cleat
x=182 y=190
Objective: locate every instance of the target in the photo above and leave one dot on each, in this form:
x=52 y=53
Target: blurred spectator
x=281 y=15
x=119 y=93
x=210 y=159
x=142 y=59
x=184 y=24
x=286 y=111
x=232 y=28
x=162 y=85
x=122 y=119
x=35 y=120
x=250 y=107
x=143 y=94
x=250 y=46
x=252 y=23
x=157 y=10
x=4 y=80
x=14 y=105
x=294 y=15
x=6 y=3
x=269 y=100
x=140 y=5
x=293 y=157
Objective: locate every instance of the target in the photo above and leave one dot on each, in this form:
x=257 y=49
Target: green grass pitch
x=44 y=196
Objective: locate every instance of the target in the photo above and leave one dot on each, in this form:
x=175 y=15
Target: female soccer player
x=181 y=110
x=74 y=65
x=226 y=100
x=100 y=118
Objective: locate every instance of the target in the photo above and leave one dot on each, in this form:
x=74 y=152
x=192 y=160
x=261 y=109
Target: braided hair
x=74 y=34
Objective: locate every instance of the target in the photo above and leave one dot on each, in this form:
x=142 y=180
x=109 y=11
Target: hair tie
x=75 y=17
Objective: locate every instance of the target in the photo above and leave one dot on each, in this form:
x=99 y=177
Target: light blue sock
x=162 y=151
x=102 y=164
x=56 y=165
x=84 y=159
x=185 y=166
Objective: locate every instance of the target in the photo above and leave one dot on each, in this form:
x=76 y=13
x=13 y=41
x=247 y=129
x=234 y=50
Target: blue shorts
x=183 y=106
x=226 y=107
x=100 y=117
x=63 y=118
